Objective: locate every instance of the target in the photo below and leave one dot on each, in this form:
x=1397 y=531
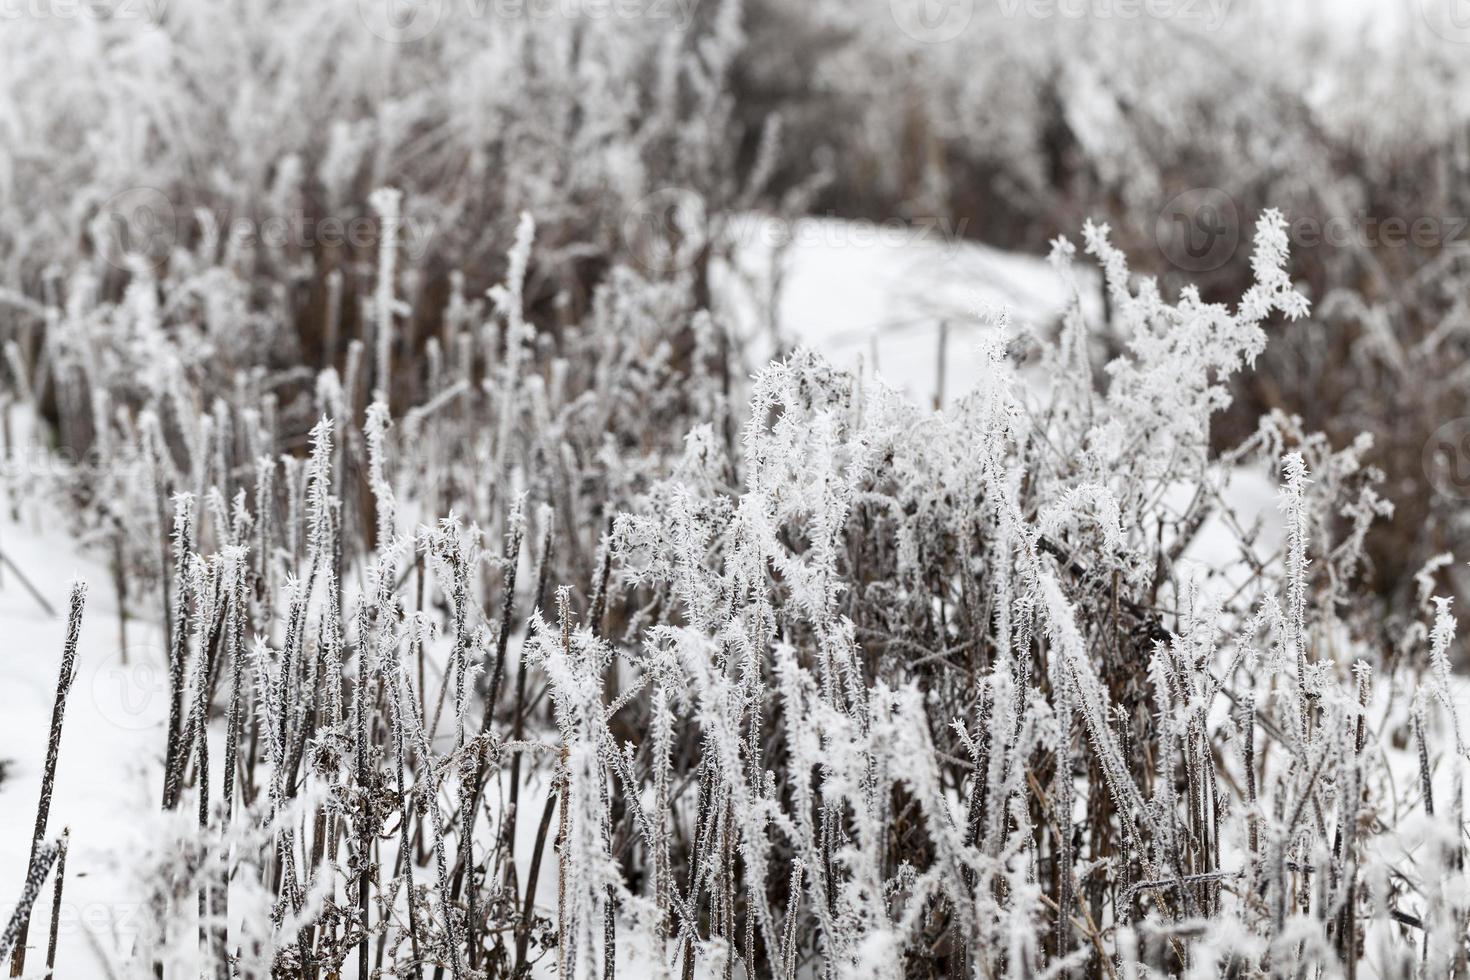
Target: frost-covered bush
x=569 y=665
x=1017 y=120
x=234 y=147
x=211 y=118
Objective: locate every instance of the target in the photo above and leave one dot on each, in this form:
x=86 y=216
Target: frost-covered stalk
x=56 y=890
x=211 y=939
x=1062 y=806
x=265 y=531
x=573 y=663
x=1426 y=783
x=183 y=546
x=1440 y=638
x=375 y=430
x=319 y=500
x=1248 y=765
x=14 y=935
x=75 y=603
x=1293 y=505
x=368 y=618
x=518 y=706
x=511 y=562
x=365 y=818
x=387 y=202
x=417 y=632
x=234 y=588
x=473 y=785
x=510 y=304
x=401 y=691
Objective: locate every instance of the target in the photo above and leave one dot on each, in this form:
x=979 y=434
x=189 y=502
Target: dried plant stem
x=14 y=935
x=62 y=846
x=76 y=602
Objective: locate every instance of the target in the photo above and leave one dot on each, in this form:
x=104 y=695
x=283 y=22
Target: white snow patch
x=107 y=770
x=877 y=298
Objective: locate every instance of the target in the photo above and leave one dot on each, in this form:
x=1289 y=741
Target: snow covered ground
x=898 y=301
x=106 y=780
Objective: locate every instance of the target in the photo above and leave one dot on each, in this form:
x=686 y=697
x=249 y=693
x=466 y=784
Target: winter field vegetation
x=547 y=565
